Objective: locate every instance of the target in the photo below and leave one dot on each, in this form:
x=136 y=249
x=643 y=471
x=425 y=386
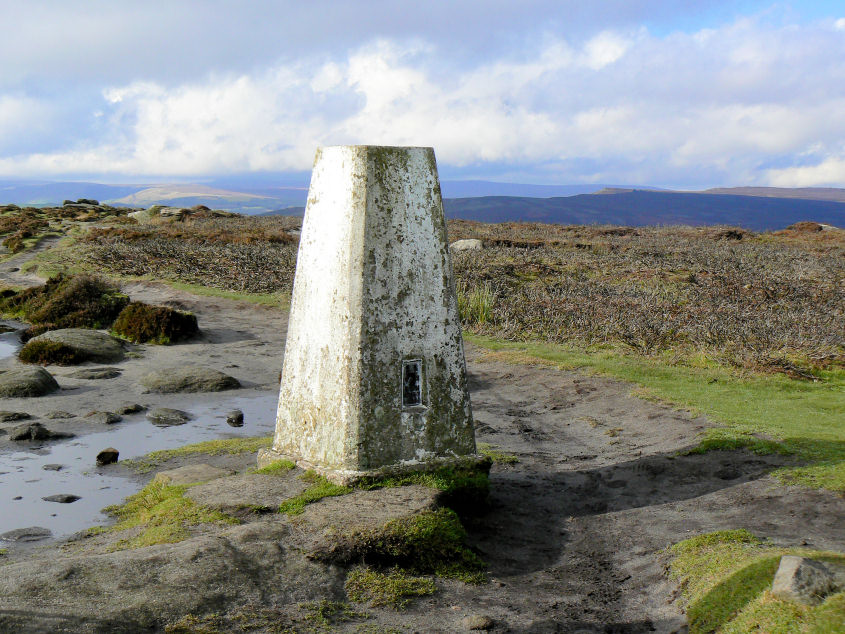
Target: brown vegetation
x=50 y=352
x=142 y=323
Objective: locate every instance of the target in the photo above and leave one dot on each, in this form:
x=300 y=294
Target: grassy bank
x=726 y=576
x=762 y=412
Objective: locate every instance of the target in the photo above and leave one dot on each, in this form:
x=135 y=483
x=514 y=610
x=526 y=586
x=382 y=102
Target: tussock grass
x=209 y=447
x=142 y=323
x=276 y=468
x=725 y=577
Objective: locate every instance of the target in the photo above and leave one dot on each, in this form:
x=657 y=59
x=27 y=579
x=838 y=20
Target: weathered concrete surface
x=373 y=292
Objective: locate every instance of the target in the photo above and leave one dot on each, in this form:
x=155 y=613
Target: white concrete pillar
x=374 y=376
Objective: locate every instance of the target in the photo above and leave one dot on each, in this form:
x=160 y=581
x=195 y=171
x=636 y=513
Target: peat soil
x=576 y=531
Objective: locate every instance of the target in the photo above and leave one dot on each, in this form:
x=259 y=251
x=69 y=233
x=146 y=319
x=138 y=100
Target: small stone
x=470 y=244
x=130 y=408
x=104 y=418
x=31 y=534
x=803 y=580
x=62 y=498
x=107 y=456
x=7 y=417
x=18 y=497
x=95 y=373
x=477 y=622
x=58 y=414
x=53 y=467
x=235 y=418
x=167 y=417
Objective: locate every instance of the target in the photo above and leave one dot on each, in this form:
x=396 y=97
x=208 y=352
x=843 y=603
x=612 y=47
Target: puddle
x=22 y=473
x=10 y=342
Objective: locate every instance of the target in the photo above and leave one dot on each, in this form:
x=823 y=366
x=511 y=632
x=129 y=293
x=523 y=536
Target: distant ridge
x=640 y=208
x=804 y=193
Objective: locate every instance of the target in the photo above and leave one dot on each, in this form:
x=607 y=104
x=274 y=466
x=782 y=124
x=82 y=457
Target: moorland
x=662 y=407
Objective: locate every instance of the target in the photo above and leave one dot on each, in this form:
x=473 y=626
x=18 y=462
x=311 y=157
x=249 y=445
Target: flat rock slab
x=147 y=588
x=94 y=373
x=26 y=381
x=92 y=345
x=189 y=378
x=191 y=473
x=248 y=491
x=31 y=534
x=168 y=417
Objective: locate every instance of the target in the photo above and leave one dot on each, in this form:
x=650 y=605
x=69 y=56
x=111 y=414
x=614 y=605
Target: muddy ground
x=576 y=530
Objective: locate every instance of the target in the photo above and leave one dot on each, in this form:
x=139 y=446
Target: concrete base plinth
x=350 y=478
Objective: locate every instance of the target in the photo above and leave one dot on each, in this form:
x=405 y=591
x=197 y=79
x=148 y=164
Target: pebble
x=53 y=467
x=477 y=622
x=62 y=498
x=107 y=456
x=235 y=418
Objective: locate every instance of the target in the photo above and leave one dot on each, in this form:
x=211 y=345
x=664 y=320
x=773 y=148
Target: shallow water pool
x=24 y=481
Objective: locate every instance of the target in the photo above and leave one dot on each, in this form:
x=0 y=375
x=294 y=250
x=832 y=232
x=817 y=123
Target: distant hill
x=639 y=208
x=806 y=193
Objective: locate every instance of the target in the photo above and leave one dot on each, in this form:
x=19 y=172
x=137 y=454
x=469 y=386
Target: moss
x=276 y=468
x=725 y=577
x=486 y=449
x=465 y=489
x=326 y=613
x=163 y=514
x=50 y=352
x=208 y=447
x=142 y=323
x=393 y=588
x=431 y=542
x=67 y=301
x=321 y=488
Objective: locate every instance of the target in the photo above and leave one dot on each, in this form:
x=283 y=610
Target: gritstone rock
x=107 y=456
x=28 y=381
x=62 y=498
x=471 y=244
x=95 y=373
x=92 y=345
x=168 y=417
x=802 y=580
x=235 y=418
x=188 y=379
x=190 y=474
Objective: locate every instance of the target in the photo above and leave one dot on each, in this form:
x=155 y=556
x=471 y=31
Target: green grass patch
x=319 y=489
x=725 y=577
x=486 y=449
x=163 y=513
x=276 y=468
x=208 y=447
x=764 y=413
x=280 y=300
x=393 y=588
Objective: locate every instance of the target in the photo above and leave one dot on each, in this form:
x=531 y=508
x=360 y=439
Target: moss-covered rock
x=142 y=323
x=70 y=346
x=45 y=352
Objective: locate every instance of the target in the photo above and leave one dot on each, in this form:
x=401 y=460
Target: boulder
x=235 y=418
x=30 y=431
x=94 y=373
x=190 y=474
x=470 y=244
x=168 y=417
x=803 y=580
x=26 y=381
x=107 y=456
x=90 y=345
x=103 y=418
x=189 y=378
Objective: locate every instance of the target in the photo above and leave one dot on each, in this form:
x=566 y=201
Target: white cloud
x=830 y=171
x=719 y=106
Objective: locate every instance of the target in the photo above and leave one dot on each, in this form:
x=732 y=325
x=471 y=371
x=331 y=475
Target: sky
x=663 y=93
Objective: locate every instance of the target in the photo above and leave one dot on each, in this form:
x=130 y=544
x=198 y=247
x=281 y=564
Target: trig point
x=374 y=376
